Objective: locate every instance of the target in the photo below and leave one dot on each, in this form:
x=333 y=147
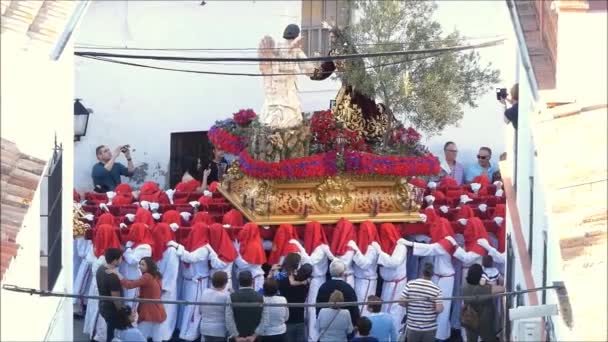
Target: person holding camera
x=511 y=104
x=106 y=173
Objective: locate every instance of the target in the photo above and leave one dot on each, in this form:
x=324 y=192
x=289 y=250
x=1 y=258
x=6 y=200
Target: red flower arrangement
x=318 y=165
x=325 y=164
x=401 y=166
x=323 y=127
x=407 y=136
x=325 y=131
x=226 y=141
x=244 y=116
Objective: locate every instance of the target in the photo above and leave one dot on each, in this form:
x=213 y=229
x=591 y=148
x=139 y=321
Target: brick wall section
x=20 y=176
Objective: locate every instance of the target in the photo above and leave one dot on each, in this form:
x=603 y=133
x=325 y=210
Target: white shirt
x=213 y=321
x=274 y=317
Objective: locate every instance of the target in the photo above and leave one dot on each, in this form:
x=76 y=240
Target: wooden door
x=187 y=144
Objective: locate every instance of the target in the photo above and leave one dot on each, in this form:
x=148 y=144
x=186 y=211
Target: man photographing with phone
x=511 y=112
x=106 y=173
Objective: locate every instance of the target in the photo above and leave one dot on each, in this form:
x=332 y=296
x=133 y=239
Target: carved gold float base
x=326 y=200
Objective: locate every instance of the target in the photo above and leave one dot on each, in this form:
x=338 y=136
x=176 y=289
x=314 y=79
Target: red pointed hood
x=213 y=186
x=204 y=201
x=448 y=182
x=500 y=211
x=441 y=229
x=144 y=216
x=465 y=212
x=221 y=243
x=418 y=182
x=105 y=237
x=388 y=237
x=151 y=192
x=344 y=232
x=172 y=216
x=189 y=186
x=431 y=215
x=105 y=218
x=199 y=236
x=250 y=244
x=366 y=234
x=501 y=232
x=139 y=234
x=162 y=234
x=439 y=195
x=202 y=217
x=124 y=195
x=314 y=235
x=280 y=244
x=472 y=231
x=481 y=179
x=234 y=218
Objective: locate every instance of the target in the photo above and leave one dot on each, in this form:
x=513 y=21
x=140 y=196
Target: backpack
x=469 y=318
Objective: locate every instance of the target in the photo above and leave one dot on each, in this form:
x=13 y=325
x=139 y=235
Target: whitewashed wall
x=37 y=108
x=142 y=107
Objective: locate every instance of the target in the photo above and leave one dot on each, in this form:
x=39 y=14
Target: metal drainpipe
x=69 y=29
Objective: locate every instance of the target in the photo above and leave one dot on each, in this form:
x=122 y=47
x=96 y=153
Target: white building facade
x=143 y=107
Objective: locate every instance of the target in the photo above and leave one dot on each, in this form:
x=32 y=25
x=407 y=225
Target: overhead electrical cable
x=254 y=49
x=309 y=59
x=206 y=72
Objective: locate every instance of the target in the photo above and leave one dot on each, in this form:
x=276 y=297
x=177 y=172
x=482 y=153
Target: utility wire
x=206 y=72
x=255 y=49
x=308 y=59
x=43 y=293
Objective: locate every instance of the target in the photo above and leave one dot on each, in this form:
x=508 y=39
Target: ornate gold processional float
x=352 y=161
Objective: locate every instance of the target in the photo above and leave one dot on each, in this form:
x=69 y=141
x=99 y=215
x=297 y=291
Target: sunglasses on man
x=482 y=157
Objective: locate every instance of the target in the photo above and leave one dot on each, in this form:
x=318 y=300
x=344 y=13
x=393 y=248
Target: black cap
x=292 y=31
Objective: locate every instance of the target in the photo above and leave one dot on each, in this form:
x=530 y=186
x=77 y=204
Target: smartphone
x=125 y=148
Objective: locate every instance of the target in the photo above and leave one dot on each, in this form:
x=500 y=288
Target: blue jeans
x=296 y=332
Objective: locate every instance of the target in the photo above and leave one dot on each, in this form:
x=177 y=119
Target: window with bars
x=315 y=38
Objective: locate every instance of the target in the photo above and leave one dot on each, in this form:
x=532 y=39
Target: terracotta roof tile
x=20 y=177
x=42 y=21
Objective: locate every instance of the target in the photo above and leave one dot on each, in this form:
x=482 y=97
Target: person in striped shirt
x=421 y=322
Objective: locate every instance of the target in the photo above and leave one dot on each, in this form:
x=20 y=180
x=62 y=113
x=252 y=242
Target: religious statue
x=356 y=110
x=282 y=107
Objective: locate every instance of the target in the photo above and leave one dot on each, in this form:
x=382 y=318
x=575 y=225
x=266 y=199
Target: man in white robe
x=392 y=258
x=440 y=249
x=319 y=257
x=251 y=255
x=168 y=264
x=196 y=276
x=365 y=262
x=342 y=234
x=83 y=277
x=139 y=246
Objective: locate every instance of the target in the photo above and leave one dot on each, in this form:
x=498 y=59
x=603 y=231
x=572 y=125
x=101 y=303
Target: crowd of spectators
x=187 y=243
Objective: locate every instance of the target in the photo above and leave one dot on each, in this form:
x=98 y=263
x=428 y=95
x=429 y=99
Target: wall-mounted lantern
x=81 y=120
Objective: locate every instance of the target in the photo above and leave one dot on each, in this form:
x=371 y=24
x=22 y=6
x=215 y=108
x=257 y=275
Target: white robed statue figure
x=282 y=107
